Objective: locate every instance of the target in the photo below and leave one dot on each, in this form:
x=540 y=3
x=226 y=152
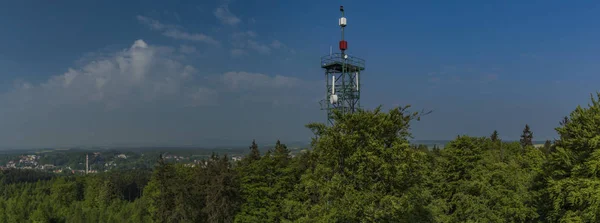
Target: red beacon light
x=343 y=45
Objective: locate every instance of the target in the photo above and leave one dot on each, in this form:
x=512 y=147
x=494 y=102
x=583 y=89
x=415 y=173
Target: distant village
x=31 y=161
x=83 y=161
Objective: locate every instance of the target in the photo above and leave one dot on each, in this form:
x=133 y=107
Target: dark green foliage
x=12 y=176
x=476 y=186
x=547 y=147
x=527 y=137
x=362 y=169
x=207 y=192
x=221 y=191
x=265 y=184
x=565 y=121
x=254 y=153
x=495 y=137
x=73 y=199
x=564 y=135
x=572 y=176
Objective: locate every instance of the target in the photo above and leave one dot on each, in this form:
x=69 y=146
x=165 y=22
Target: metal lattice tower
x=341 y=78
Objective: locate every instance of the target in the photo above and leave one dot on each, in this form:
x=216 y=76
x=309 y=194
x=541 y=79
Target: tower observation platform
x=336 y=62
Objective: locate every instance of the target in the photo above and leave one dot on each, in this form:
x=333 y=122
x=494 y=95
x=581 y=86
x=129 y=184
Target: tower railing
x=338 y=59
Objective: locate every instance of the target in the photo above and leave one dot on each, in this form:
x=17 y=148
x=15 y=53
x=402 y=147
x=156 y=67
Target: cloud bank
x=146 y=94
x=225 y=16
x=176 y=32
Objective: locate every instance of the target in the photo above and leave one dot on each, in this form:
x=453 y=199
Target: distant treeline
x=362 y=169
x=76 y=156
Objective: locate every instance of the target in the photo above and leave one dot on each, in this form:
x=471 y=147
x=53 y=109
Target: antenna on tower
x=341 y=77
x=342 y=23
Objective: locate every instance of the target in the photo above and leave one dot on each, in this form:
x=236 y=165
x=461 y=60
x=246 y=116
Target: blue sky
x=184 y=72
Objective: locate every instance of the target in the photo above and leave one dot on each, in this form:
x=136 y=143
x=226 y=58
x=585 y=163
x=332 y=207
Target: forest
x=362 y=169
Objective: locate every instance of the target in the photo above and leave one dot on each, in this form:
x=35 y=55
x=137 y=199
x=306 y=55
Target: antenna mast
x=341 y=78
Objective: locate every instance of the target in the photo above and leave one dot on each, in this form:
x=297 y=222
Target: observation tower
x=341 y=78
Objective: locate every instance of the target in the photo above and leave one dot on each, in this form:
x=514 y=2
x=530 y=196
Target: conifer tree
x=566 y=135
x=547 y=147
x=258 y=190
x=159 y=191
x=527 y=137
x=222 y=197
x=572 y=169
x=281 y=152
x=355 y=178
x=565 y=121
x=254 y=153
x=494 y=136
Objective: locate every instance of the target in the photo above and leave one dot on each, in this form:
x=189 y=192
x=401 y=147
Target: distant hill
x=442 y=143
x=208 y=144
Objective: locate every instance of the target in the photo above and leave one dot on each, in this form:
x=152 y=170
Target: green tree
x=573 y=168
x=222 y=191
x=264 y=184
x=562 y=123
x=357 y=177
x=254 y=153
x=494 y=137
x=159 y=192
x=281 y=154
x=527 y=137
x=547 y=147
x=471 y=184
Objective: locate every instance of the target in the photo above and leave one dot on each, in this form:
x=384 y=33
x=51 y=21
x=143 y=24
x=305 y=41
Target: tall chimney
x=87 y=164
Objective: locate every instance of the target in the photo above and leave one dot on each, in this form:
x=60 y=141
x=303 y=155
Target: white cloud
x=225 y=16
x=185 y=49
x=252 y=34
x=261 y=48
x=244 y=35
x=239 y=42
x=145 y=72
x=247 y=81
x=153 y=24
x=247 y=41
x=276 y=44
x=277 y=91
x=175 y=32
x=142 y=93
x=150 y=72
x=203 y=96
x=237 y=52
